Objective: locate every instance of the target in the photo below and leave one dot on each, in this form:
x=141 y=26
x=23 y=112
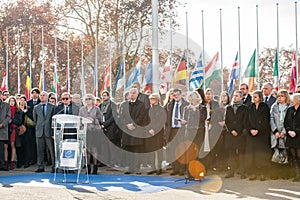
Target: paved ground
x=216 y=188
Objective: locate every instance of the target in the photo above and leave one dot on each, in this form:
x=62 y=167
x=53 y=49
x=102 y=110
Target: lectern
x=70 y=154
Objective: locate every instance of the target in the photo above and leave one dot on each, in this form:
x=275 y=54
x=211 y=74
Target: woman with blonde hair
x=292 y=128
x=90 y=111
x=278 y=137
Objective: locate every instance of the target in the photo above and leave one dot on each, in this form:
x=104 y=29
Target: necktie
x=67 y=110
x=266 y=99
x=176 y=114
x=44 y=111
x=34 y=102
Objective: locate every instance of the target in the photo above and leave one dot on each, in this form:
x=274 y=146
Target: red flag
x=106 y=80
x=293 y=75
x=165 y=77
x=3 y=85
x=27 y=87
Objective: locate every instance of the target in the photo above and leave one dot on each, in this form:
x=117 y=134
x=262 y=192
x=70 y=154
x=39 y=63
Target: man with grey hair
x=76 y=99
x=42 y=115
x=269 y=99
x=132 y=116
x=5 y=117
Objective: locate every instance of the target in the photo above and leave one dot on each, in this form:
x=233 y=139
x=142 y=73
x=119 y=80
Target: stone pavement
x=216 y=188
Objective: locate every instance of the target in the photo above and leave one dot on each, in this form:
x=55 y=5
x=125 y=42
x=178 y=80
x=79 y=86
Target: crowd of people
x=255 y=135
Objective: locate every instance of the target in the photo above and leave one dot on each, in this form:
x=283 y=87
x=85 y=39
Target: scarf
x=104 y=106
x=281 y=109
x=236 y=105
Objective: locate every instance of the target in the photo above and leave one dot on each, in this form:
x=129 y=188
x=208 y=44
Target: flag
x=293 y=80
x=119 y=83
x=165 y=77
x=251 y=71
x=55 y=87
x=212 y=71
x=106 y=80
x=42 y=84
x=136 y=75
x=234 y=74
x=3 y=85
x=148 y=77
x=275 y=70
x=180 y=74
x=197 y=75
x=27 y=87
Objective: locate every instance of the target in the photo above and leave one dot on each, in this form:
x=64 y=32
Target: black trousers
x=2 y=142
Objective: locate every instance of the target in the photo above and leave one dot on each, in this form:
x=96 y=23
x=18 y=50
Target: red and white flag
x=3 y=85
x=165 y=77
x=293 y=80
x=106 y=80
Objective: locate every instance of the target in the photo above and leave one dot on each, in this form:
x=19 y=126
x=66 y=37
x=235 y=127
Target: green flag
x=275 y=65
x=251 y=68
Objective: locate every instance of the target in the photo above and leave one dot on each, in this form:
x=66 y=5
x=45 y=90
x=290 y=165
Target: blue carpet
x=102 y=182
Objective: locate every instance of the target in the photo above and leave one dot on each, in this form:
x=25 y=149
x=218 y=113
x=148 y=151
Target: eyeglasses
x=87 y=99
x=297 y=91
x=64 y=99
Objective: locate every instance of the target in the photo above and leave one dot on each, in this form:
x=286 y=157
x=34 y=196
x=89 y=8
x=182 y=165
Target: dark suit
x=43 y=132
x=5 y=116
x=133 y=112
x=236 y=122
x=271 y=101
x=247 y=101
x=31 y=130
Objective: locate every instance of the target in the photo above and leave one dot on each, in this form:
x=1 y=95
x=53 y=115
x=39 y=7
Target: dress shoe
x=158 y=172
x=229 y=174
x=262 y=178
x=53 y=170
x=3 y=169
x=252 y=177
x=40 y=170
x=138 y=173
x=151 y=172
x=174 y=173
x=127 y=172
x=181 y=173
x=95 y=169
x=26 y=165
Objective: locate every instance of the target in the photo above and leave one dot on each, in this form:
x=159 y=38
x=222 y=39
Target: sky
x=267 y=26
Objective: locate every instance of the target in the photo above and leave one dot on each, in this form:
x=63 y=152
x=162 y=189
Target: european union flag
x=69 y=154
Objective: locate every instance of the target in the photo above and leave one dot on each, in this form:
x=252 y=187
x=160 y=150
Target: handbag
x=280 y=156
x=21 y=129
x=29 y=122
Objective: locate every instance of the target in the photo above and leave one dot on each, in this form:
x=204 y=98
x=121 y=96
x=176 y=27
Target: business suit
x=30 y=131
x=5 y=116
x=271 y=100
x=43 y=131
x=248 y=100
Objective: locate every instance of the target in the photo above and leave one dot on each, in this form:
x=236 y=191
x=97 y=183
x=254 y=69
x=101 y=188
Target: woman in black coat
x=258 y=138
x=292 y=127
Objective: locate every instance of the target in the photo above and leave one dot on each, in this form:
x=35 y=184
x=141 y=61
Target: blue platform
x=102 y=182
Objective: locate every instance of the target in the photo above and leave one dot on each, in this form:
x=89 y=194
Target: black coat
x=271 y=101
x=132 y=113
x=248 y=101
x=158 y=118
x=236 y=122
x=259 y=119
x=292 y=123
x=111 y=129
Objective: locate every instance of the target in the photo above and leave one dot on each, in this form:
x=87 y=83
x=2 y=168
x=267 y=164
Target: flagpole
x=110 y=64
x=240 y=54
x=43 y=61
x=6 y=58
x=277 y=49
x=296 y=27
x=30 y=59
x=203 y=58
x=257 y=49
x=55 y=66
x=96 y=66
x=155 y=53
x=171 y=51
x=19 y=79
x=82 y=71
x=124 y=59
x=68 y=64
x=187 y=53
x=221 y=51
